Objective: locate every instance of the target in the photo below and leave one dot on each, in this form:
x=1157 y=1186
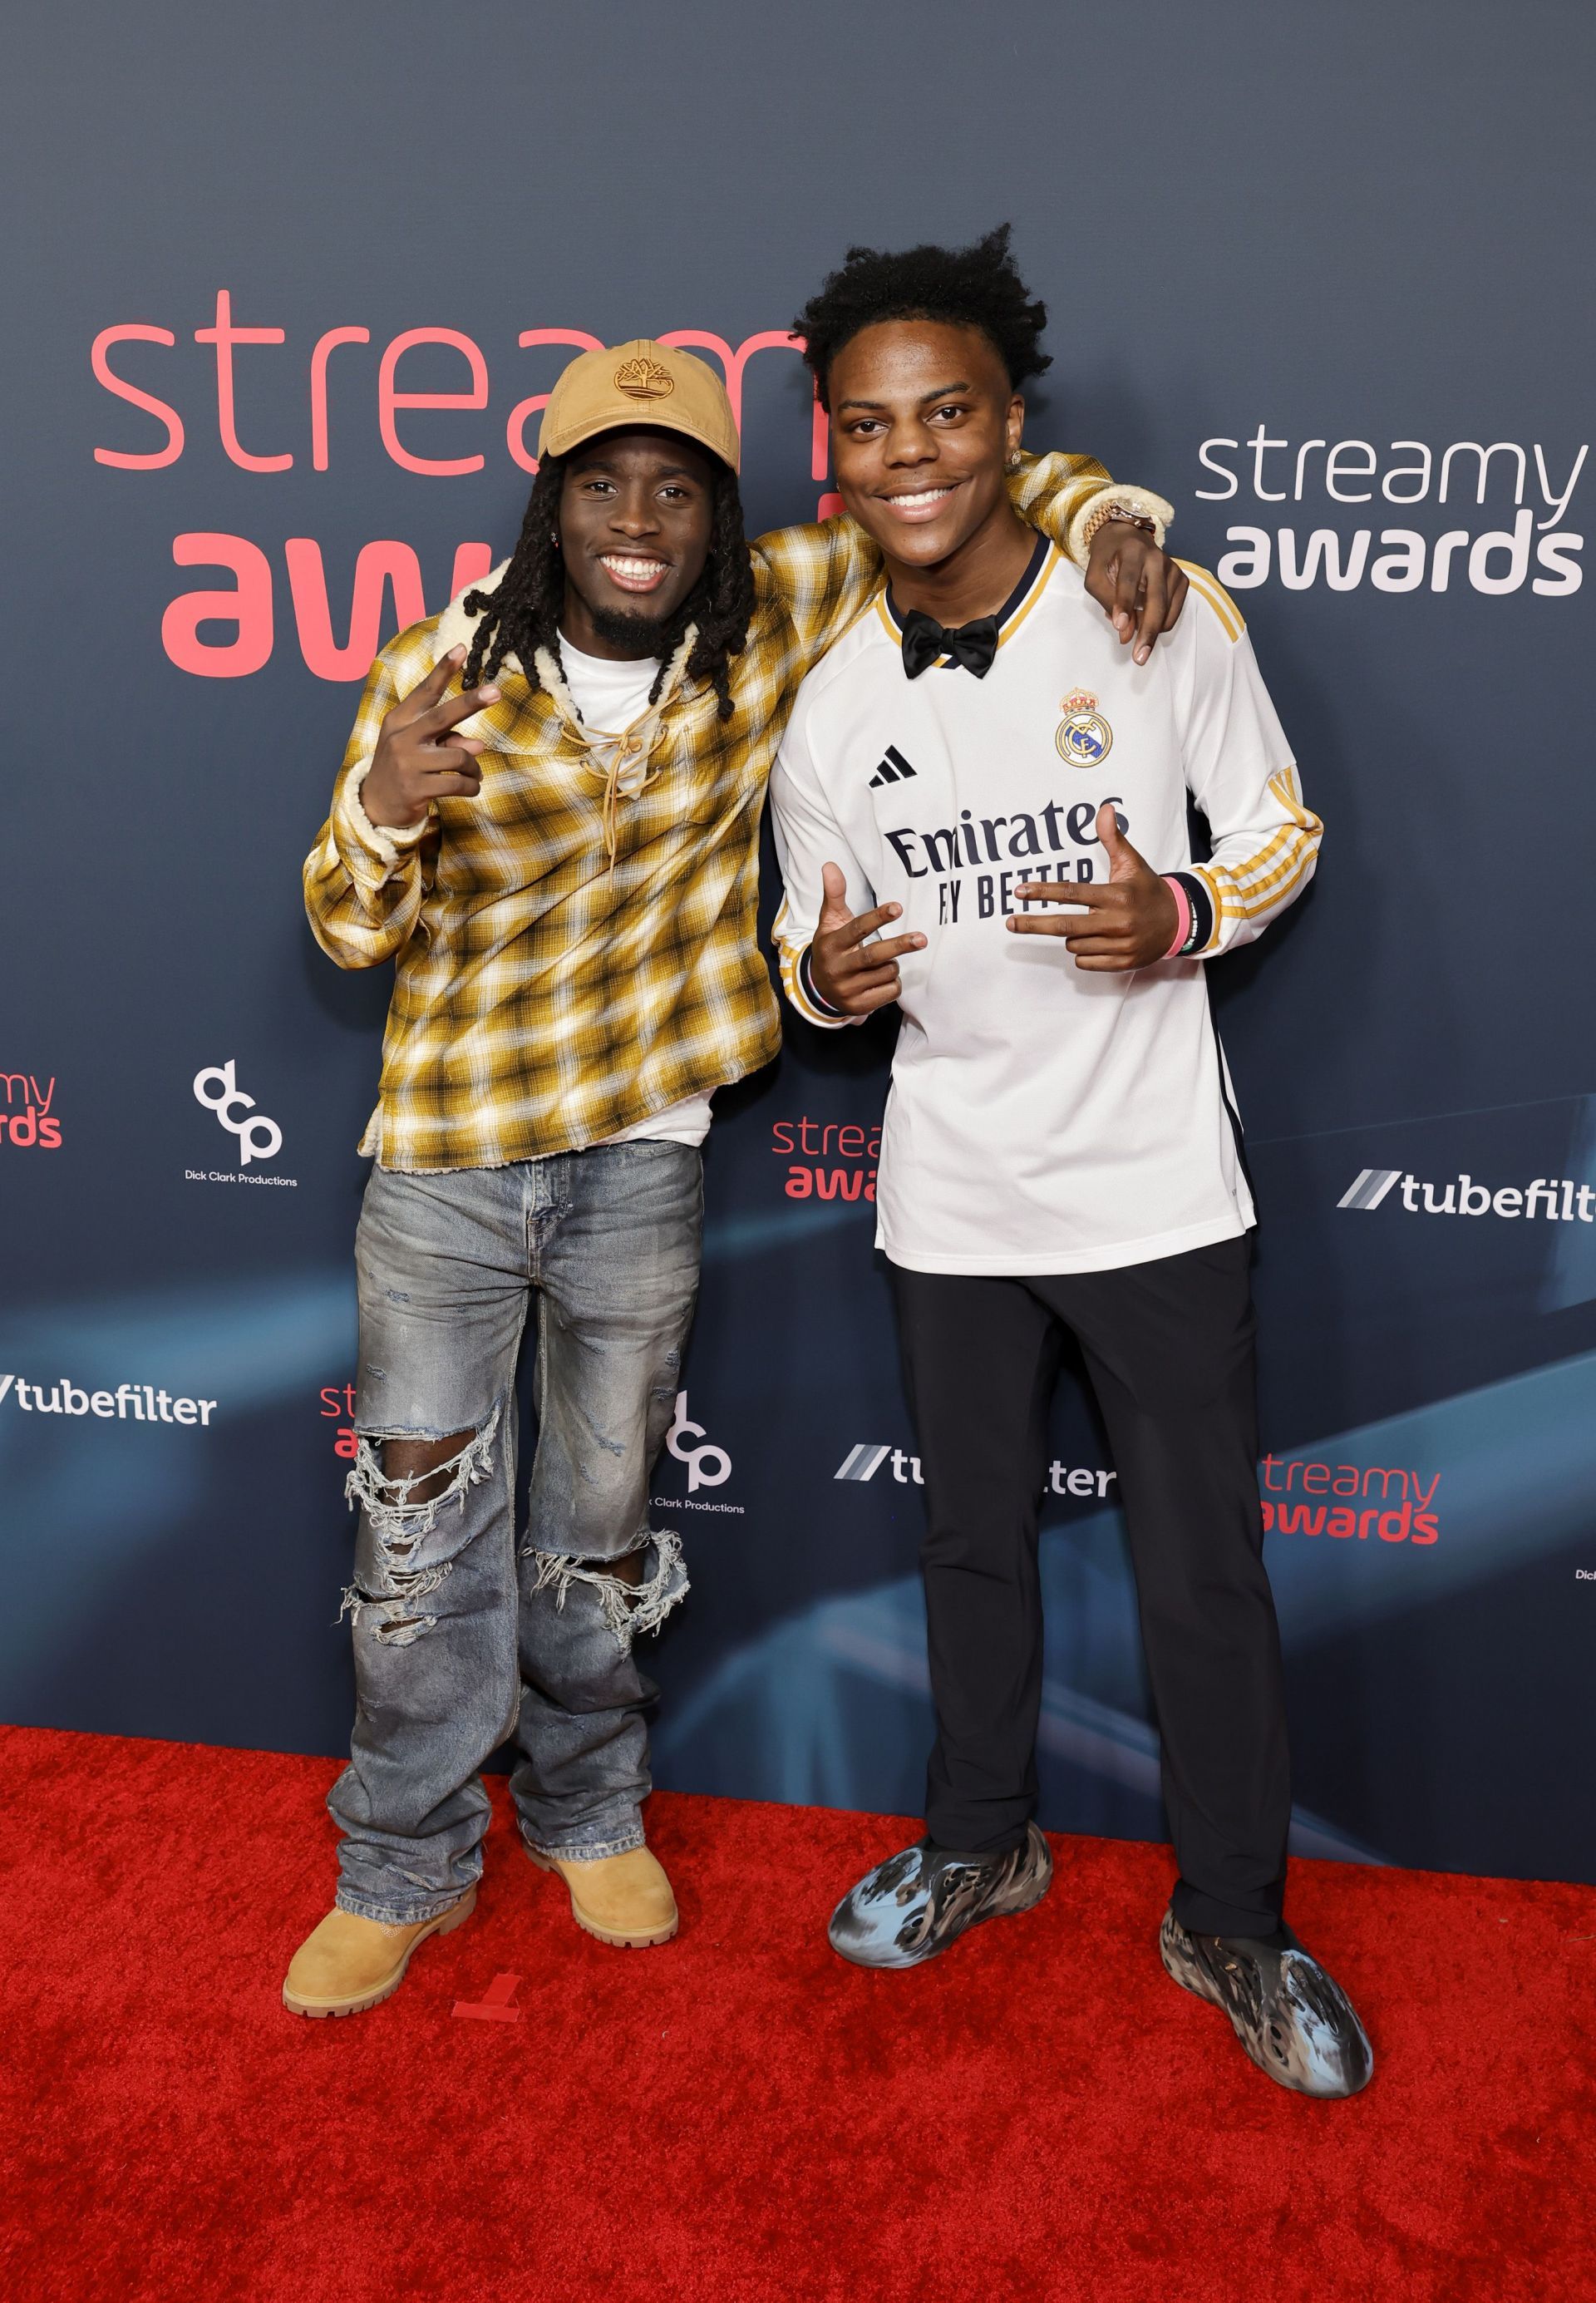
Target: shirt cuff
x=1140 y=502
x=798 y=985
x=807 y=984
x=1199 y=895
x=388 y=843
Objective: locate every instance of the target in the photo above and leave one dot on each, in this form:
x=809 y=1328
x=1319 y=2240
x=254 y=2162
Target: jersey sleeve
x=1240 y=771
x=807 y=838
x=827 y=572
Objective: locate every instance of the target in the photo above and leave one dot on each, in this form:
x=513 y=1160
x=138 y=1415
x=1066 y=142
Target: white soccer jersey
x=1040 y=1119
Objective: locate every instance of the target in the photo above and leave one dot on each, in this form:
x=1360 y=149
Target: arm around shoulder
x=825 y=573
x=1069 y=497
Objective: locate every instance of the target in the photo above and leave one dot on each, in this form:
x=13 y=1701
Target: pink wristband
x=1183 y=913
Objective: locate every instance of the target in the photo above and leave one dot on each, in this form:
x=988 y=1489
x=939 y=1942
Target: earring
x=1014 y=460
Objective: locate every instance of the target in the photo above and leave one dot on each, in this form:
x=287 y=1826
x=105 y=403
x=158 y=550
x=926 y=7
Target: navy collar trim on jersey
x=1040 y=555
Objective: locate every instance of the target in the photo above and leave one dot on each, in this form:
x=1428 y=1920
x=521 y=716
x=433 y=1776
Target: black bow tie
x=973 y=645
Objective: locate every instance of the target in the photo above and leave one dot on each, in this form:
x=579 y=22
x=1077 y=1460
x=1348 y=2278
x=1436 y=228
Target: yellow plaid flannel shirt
x=543 y=999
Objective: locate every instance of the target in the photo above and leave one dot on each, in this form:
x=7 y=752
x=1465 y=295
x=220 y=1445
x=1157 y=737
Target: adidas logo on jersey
x=893 y=769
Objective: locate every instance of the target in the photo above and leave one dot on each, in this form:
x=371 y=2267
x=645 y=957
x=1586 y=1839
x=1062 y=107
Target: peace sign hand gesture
x=850 y=973
x=415 y=761
x=1129 y=918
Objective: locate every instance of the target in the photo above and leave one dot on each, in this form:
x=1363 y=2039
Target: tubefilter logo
x=866 y=1457
x=1556 y=1199
x=27 y=1121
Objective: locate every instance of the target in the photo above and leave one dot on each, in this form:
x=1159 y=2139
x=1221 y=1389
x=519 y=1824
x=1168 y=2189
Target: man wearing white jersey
x=977 y=769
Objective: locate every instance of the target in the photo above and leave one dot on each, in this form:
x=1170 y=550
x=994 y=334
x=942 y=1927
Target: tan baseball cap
x=640 y=383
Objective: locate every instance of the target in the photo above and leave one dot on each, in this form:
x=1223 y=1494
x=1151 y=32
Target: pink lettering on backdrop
x=383 y=566
x=224 y=336
x=389 y=401
x=733 y=363
x=325 y=346
x=247 y=607
x=386 y=569
x=514 y=431
x=378 y=565
x=132 y=332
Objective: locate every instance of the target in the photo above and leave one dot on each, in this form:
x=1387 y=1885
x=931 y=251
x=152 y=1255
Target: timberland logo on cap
x=645 y=379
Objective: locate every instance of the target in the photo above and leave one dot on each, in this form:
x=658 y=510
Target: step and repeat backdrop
x=288 y=289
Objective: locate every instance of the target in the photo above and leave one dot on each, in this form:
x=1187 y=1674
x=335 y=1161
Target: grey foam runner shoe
x=1293 y=2018
x=918 y=1902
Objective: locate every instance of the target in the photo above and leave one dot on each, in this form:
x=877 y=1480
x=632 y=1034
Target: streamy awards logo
x=1514 y=502
x=829 y=1159
x=26 y=1122
x=1350 y=1501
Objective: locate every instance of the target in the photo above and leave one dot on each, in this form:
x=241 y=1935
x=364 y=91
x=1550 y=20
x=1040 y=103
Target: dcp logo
x=707 y=1467
x=259 y=1138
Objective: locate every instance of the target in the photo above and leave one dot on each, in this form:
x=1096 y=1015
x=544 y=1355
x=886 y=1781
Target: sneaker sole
x=358 y=2004
x=635 y=1939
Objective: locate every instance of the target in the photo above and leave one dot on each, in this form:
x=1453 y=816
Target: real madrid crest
x=1084 y=738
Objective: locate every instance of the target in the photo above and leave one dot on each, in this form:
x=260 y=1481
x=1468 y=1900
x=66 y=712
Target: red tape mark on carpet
x=494 y=2005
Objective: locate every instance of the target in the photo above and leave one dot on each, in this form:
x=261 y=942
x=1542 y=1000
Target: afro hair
x=974 y=287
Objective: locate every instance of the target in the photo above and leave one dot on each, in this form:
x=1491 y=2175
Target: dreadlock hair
x=522 y=614
x=974 y=287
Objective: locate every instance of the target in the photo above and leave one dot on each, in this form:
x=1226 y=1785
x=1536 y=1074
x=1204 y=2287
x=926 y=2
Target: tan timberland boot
x=347 y=1964
x=622 y=1899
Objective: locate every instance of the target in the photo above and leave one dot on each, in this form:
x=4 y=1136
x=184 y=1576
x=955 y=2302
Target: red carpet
x=739 y=2117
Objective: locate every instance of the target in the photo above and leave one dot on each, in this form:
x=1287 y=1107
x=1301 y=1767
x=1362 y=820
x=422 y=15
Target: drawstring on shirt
x=624 y=761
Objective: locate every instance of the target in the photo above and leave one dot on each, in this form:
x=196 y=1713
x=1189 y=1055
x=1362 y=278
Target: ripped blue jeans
x=466 y=1631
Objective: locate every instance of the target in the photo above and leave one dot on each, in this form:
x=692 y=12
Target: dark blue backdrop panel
x=1310 y=274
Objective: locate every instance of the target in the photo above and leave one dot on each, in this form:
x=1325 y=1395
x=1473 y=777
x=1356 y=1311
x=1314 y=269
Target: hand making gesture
x=1129 y=918
x=416 y=760
x=850 y=973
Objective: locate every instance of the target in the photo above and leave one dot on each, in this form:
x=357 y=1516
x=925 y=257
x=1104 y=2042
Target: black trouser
x=1168 y=1350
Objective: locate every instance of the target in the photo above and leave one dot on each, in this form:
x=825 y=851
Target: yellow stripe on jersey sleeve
x=1232 y=622
x=788 y=956
x=1261 y=883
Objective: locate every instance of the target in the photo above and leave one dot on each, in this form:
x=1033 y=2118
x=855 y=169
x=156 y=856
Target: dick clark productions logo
x=217 y=1088
x=708 y=1466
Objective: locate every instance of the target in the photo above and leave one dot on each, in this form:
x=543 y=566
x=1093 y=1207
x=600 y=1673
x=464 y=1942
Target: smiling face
x=636 y=512
x=923 y=419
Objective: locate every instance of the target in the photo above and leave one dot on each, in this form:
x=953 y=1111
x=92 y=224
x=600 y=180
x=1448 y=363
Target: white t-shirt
x=609 y=697
x=1041 y=1119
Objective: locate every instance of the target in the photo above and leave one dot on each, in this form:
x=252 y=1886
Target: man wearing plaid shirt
x=548 y=816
